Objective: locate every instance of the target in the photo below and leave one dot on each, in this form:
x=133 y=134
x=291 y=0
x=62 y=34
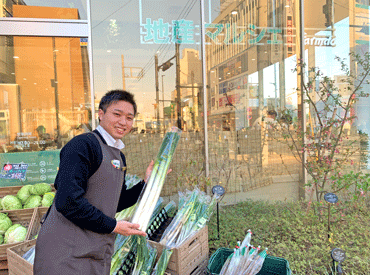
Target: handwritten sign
x=338 y=255
x=331 y=198
x=14 y=171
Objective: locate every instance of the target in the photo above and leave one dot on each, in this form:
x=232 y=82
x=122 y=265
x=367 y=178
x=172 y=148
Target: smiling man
x=78 y=232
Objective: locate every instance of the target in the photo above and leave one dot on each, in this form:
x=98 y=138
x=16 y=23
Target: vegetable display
x=195 y=210
x=245 y=260
x=29 y=196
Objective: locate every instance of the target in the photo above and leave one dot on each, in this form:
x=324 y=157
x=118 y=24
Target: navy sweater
x=80 y=158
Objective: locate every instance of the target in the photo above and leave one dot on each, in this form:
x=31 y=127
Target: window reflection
x=44 y=94
x=56 y=9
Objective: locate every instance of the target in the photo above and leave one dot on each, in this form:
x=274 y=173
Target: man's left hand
x=150 y=169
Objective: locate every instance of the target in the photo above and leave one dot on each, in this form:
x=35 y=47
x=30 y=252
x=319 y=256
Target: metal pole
x=218 y=223
x=192 y=100
x=156 y=89
x=91 y=69
x=123 y=73
x=56 y=93
x=300 y=82
x=163 y=124
x=178 y=94
x=204 y=79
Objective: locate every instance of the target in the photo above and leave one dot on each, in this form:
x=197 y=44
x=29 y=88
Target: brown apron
x=66 y=249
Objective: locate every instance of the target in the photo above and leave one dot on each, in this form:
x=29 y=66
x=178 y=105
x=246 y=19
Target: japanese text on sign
x=14 y=171
x=183 y=32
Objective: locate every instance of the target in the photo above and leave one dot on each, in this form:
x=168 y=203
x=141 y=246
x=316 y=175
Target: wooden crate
x=200 y=269
x=16 y=264
x=189 y=256
x=35 y=222
x=23 y=217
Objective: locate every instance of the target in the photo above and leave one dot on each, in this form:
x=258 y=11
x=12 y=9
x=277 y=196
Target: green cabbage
x=1 y=206
x=47 y=199
x=33 y=201
x=10 y=229
x=1 y=239
x=24 y=193
x=10 y=202
x=40 y=188
x=17 y=234
x=5 y=223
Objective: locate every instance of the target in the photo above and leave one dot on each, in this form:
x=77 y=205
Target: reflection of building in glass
x=190 y=85
x=253 y=39
x=45 y=80
x=250 y=37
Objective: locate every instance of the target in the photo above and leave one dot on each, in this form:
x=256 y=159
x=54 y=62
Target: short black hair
x=115 y=96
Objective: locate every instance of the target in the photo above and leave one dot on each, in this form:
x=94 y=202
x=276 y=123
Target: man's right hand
x=126 y=229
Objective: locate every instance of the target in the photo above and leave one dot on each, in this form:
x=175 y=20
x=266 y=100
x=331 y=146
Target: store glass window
x=251 y=56
x=44 y=99
x=337 y=37
x=153 y=49
x=60 y=9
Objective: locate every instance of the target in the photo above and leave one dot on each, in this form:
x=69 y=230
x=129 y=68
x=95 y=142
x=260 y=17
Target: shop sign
x=183 y=32
x=320 y=41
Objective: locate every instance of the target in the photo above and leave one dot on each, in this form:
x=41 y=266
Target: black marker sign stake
x=338 y=255
x=218 y=190
x=331 y=198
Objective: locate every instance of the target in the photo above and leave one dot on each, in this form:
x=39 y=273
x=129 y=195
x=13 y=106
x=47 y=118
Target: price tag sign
x=331 y=198
x=14 y=171
x=338 y=255
x=218 y=190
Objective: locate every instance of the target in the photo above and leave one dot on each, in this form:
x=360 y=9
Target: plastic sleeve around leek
x=156 y=180
x=162 y=263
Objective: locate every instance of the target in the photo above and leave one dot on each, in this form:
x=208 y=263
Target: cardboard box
x=189 y=256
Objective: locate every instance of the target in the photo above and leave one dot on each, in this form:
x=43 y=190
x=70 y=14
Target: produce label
x=14 y=171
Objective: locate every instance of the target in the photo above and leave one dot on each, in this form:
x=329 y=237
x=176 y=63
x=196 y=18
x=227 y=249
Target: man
x=267 y=121
x=77 y=235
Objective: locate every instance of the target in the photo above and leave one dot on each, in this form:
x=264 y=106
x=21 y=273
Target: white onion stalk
x=156 y=180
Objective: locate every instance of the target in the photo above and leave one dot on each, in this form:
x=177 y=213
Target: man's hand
x=126 y=229
x=150 y=169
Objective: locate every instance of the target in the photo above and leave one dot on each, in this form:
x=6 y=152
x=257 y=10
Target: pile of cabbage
x=29 y=196
x=9 y=232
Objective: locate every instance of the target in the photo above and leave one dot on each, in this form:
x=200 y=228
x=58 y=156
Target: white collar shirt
x=115 y=143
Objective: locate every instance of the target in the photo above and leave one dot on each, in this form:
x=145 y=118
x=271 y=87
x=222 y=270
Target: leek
x=162 y=263
x=145 y=257
x=156 y=180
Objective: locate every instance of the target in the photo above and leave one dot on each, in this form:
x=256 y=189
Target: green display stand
x=271 y=266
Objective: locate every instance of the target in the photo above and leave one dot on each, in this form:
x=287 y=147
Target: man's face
x=118 y=119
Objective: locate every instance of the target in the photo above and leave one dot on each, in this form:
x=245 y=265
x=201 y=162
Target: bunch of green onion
x=191 y=217
x=125 y=244
x=195 y=209
x=145 y=257
x=245 y=259
x=156 y=180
